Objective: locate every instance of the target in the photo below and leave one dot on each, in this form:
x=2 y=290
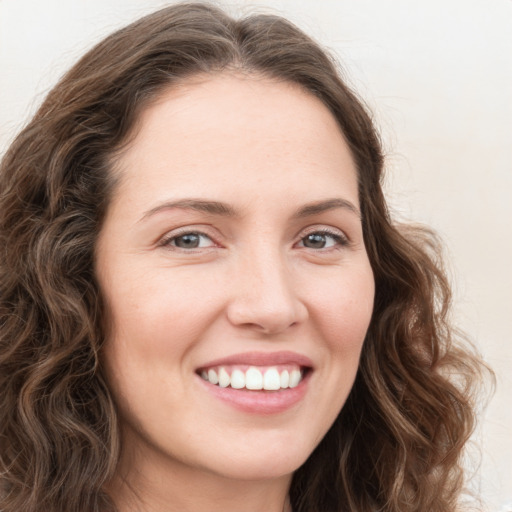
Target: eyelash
x=339 y=239
x=167 y=241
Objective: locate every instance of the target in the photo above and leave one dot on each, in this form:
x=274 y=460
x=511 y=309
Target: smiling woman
x=205 y=304
x=262 y=277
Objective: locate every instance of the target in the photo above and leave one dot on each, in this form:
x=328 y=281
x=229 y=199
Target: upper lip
x=262 y=359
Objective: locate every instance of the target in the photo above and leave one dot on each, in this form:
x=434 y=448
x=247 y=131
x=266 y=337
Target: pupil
x=190 y=241
x=315 y=240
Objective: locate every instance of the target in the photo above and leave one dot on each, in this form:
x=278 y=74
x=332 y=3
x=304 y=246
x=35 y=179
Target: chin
x=270 y=462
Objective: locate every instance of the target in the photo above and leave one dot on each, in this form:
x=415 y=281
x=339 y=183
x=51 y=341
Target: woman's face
x=232 y=258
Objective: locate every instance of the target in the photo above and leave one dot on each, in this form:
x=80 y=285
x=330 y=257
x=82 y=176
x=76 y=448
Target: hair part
x=397 y=443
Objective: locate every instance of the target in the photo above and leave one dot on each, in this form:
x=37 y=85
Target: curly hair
x=397 y=443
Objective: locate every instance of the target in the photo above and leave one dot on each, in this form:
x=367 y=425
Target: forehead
x=231 y=133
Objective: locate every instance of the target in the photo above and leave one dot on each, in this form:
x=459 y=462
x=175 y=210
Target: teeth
x=253 y=378
x=295 y=378
x=212 y=377
x=285 y=379
x=238 y=379
x=271 y=381
x=224 y=378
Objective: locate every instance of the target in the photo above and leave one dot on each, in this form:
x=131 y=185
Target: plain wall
x=438 y=76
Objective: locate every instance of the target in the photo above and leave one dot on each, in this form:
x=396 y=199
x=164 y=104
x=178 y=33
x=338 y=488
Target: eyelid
x=339 y=235
x=165 y=240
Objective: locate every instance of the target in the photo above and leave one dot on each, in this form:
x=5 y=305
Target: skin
x=255 y=283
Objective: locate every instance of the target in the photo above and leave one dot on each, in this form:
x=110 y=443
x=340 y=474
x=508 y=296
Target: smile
x=258 y=382
x=273 y=378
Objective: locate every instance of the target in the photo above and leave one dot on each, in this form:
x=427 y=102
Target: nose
x=264 y=297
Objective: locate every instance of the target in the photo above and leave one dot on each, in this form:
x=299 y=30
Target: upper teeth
x=270 y=379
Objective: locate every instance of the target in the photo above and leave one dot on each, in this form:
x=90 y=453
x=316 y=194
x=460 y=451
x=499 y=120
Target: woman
x=205 y=304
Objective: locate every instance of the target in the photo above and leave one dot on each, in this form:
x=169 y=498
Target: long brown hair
x=397 y=443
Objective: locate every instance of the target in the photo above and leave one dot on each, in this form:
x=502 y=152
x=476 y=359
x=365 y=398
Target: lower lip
x=259 y=402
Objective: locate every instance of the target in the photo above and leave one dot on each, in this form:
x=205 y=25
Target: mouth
x=255 y=378
x=258 y=383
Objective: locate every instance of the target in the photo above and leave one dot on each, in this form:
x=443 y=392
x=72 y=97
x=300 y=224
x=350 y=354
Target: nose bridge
x=264 y=296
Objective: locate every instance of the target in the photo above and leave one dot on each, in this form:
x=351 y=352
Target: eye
x=322 y=240
x=191 y=240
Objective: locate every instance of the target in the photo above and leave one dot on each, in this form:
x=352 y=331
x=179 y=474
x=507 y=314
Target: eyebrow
x=200 y=205
x=326 y=205
x=225 y=210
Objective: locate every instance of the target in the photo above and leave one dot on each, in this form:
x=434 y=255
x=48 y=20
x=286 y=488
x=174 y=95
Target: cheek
x=344 y=309
x=146 y=353
x=157 y=318
x=149 y=332
x=153 y=299
x=340 y=312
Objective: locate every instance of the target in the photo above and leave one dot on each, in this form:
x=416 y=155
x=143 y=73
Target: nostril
x=266 y=317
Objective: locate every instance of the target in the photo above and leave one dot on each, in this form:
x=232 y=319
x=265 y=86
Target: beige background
x=438 y=75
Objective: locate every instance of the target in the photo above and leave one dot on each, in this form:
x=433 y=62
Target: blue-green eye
x=191 y=240
x=322 y=240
